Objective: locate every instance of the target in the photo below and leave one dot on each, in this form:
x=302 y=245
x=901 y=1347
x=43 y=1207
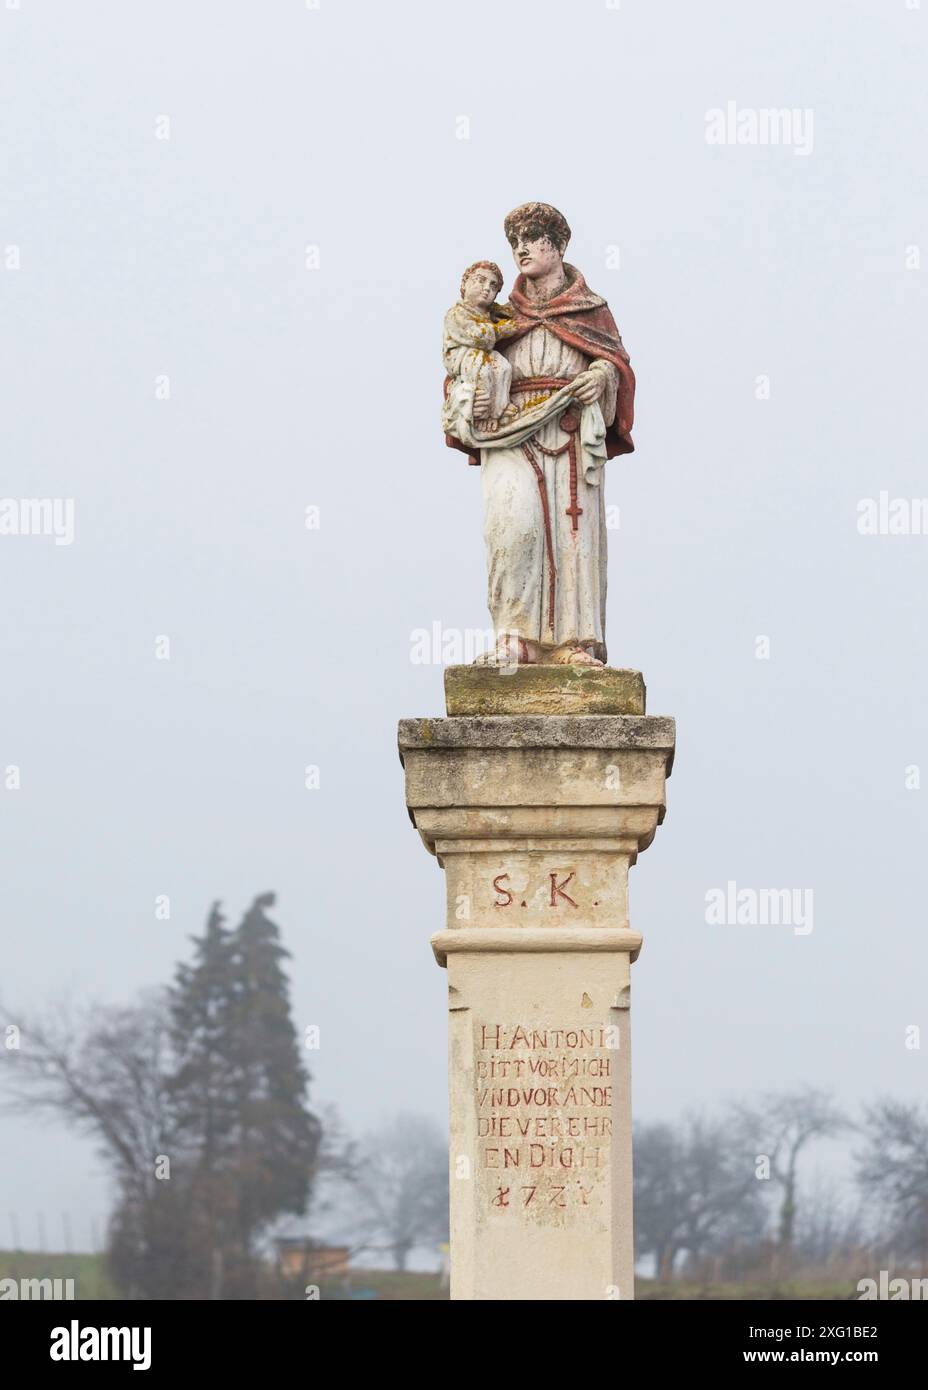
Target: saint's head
x=538 y=235
x=480 y=284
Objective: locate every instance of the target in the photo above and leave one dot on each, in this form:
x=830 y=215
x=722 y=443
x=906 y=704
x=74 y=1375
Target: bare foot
x=575 y=656
x=513 y=650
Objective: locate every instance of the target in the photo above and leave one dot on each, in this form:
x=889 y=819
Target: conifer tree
x=202 y=1095
x=246 y=1143
x=277 y=1138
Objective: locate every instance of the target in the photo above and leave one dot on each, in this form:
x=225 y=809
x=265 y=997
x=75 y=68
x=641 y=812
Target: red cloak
x=581 y=318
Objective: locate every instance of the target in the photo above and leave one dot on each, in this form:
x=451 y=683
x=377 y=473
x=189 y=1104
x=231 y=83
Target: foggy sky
x=337 y=128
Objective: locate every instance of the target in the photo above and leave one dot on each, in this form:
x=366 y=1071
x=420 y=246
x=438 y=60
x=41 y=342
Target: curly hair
x=536 y=220
x=482 y=265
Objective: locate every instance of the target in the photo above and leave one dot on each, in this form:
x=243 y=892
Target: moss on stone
x=492 y=690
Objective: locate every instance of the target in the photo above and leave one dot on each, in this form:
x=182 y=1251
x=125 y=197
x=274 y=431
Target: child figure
x=473 y=327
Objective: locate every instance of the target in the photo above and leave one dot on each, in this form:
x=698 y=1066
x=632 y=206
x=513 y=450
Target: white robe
x=468 y=344
x=514 y=530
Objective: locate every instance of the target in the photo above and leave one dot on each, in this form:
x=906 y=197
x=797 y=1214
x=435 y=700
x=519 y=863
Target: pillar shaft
x=536 y=821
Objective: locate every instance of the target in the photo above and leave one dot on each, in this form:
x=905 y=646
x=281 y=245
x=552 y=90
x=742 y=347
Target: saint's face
x=536 y=256
x=480 y=289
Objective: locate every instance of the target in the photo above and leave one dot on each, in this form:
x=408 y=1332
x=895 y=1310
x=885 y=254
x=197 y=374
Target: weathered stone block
x=526 y=690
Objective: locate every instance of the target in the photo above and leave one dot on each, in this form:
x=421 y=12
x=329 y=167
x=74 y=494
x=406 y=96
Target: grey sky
x=338 y=128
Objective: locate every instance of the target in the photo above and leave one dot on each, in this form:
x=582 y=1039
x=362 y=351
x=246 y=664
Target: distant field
x=426 y=1286
x=390 y=1286
x=87 y=1271
x=647 y=1289
x=90 y=1282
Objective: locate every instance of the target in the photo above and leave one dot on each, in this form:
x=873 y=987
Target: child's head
x=480 y=284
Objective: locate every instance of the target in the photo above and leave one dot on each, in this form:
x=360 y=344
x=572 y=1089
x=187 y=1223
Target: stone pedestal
x=536 y=820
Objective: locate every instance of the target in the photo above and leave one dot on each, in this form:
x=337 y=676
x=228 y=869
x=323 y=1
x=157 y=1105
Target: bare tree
x=197 y=1097
x=399 y=1188
x=829 y=1225
x=893 y=1168
x=660 y=1195
x=104 y=1070
x=780 y=1128
x=694 y=1192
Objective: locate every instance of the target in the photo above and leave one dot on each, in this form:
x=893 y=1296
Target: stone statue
x=540 y=393
x=473 y=327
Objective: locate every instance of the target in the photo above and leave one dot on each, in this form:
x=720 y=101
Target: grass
x=91 y=1282
x=762 y=1290
x=418 y=1287
x=87 y=1271
x=394 y=1286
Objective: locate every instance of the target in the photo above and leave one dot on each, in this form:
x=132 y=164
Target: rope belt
x=569 y=423
x=540 y=383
